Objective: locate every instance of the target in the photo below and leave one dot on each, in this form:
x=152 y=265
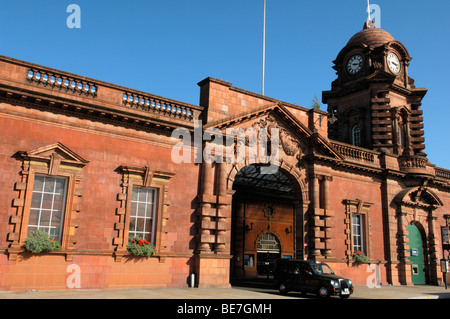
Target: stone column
x=434 y=250
x=395 y=129
x=316 y=191
x=408 y=146
x=206 y=213
x=404 y=266
x=328 y=214
x=390 y=232
x=317 y=220
x=222 y=209
x=302 y=230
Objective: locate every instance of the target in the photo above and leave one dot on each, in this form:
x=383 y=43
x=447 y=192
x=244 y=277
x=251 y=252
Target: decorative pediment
x=419 y=197
x=289 y=143
x=146 y=175
x=294 y=137
x=57 y=150
x=346 y=50
x=397 y=45
x=54 y=157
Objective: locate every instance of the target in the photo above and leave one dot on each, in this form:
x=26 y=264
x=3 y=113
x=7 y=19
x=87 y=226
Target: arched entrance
x=417 y=216
x=268 y=251
x=267 y=222
x=416 y=255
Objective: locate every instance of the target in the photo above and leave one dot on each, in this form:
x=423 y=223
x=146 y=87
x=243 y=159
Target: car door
x=296 y=280
x=311 y=282
x=302 y=274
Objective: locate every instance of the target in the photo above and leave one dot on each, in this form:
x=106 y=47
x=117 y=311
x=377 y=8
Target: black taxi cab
x=307 y=276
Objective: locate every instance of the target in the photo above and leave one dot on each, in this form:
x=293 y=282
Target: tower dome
x=371 y=36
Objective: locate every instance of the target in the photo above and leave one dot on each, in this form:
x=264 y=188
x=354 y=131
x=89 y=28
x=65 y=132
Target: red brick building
x=92 y=164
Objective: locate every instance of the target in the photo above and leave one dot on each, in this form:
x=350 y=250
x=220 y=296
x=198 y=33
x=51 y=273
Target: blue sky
x=167 y=47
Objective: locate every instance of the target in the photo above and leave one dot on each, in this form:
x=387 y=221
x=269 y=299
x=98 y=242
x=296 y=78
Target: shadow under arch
x=284 y=171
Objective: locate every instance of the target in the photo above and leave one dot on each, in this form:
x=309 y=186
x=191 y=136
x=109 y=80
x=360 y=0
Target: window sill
x=14 y=252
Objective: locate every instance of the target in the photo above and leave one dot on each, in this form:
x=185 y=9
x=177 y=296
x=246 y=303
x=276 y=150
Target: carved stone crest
x=289 y=144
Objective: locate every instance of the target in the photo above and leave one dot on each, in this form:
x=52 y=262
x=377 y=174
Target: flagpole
x=264 y=49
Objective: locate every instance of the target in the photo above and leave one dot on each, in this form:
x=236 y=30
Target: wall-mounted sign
x=445 y=234
x=249 y=260
x=445 y=267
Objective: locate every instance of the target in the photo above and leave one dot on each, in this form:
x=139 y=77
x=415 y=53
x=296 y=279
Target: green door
x=416 y=255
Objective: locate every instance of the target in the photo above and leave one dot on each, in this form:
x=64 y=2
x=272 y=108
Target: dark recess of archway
x=250 y=179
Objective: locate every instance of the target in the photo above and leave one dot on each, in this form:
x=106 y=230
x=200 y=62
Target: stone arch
x=421 y=229
x=276 y=237
x=418 y=206
x=293 y=173
x=401 y=49
x=266 y=257
x=249 y=220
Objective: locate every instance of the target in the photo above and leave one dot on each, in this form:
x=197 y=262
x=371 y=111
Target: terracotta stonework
x=337 y=187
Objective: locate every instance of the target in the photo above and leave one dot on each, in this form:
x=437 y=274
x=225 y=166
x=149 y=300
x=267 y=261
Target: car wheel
x=323 y=292
x=283 y=289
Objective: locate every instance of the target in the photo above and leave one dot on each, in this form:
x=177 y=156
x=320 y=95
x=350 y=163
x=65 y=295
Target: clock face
x=393 y=63
x=355 y=64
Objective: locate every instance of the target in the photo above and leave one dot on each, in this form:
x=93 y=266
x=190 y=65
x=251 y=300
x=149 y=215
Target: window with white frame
x=357 y=232
x=356 y=135
x=143 y=213
x=48 y=205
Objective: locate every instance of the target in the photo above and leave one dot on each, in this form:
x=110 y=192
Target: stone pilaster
x=206 y=212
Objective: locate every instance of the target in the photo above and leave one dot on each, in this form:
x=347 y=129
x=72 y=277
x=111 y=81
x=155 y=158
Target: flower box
x=359 y=257
x=141 y=247
x=39 y=242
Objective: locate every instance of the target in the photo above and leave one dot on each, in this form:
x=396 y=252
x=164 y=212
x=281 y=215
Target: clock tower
x=373 y=99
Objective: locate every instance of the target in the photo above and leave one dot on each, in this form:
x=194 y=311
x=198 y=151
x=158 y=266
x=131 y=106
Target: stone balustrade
x=442 y=173
x=354 y=153
x=95 y=96
x=61 y=82
x=158 y=105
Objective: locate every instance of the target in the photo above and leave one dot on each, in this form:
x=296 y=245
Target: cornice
x=48 y=89
x=91 y=80
x=118 y=116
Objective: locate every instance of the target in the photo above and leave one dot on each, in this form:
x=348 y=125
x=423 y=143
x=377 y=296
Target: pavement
x=237 y=292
